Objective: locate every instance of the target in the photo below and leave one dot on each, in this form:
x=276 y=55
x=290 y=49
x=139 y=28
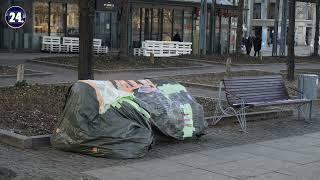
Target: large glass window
x=40 y=18
x=187 y=26
x=167 y=24
x=72 y=20
x=161 y=25
x=257 y=11
x=103 y=26
x=136 y=27
x=147 y=24
x=178 y=22
x=156 y=24
x=56 y=19
x=271 y=10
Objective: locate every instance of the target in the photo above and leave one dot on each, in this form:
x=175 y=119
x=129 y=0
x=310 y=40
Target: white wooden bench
x=163 y=48
x=98 y=48
x=69 y=44
x=72 y=43
x=52 y=44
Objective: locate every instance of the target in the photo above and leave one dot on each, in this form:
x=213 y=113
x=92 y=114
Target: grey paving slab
x=272 y=176
x=227 y=155
x=314 y=135
x=292 y=142
x=196 y=174
x=192 y=159
x=305 y=172
x=275 y=153
x=118 y=173
x=311 y=150
x=247 y=168
x=159 y=167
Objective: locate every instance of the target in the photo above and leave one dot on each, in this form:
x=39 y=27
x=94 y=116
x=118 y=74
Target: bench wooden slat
x=253 y=77
x=253 y=86
x=255 y=100
x=262 y=93
x=252 y=82
x=255 y=89
x=281 y=102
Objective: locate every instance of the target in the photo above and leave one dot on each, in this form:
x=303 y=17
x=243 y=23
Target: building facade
x=261 y=15
x=150 y=20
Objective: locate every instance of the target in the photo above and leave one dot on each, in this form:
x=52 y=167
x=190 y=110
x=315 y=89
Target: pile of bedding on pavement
x=118 y=119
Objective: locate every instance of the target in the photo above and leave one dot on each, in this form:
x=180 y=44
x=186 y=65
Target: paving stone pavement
x=260 y=161
x=268 y=151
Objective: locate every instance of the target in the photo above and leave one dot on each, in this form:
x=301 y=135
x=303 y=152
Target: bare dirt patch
x=213 y=79
x=31 y=110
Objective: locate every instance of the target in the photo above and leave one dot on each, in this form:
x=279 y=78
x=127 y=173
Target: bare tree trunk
x=123 y=18
x=212 y=27
x=275 y=35
x=86 y=24
x=239 y=26
x=291 y=39
x=283 y=28
x=316 y=36
x=203 y=27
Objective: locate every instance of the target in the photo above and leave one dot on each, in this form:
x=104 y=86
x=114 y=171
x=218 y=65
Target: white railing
x=163 y=48
x=69 y=44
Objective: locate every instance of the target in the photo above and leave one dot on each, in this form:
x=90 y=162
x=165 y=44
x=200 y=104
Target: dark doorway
x=308 y=35
x=258 y=31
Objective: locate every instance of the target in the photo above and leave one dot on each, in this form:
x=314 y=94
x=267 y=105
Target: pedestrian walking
x=257 y=45
x=177 y=38
x=248 y=44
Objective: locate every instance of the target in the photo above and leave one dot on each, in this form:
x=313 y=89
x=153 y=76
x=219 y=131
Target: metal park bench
x=260 y=91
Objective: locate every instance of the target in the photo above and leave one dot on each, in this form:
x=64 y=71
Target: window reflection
x=187 y=28
x=136 y=27
x=178 y=22
x=56 y=19
x=161 y=25
x=167 y=24
x=72 y=20
x=156 y=24
x=41 y=17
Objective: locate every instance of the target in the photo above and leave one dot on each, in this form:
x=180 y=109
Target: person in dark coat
x=257 y=45
x=177 y=38
x=248 y=44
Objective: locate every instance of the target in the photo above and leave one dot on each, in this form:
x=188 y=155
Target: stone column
x=264 y=16
x=250 y=17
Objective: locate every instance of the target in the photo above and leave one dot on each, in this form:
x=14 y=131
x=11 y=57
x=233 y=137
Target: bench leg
x=299 y=113
x=241 y=116
x=306 y=111
x=220 y=111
